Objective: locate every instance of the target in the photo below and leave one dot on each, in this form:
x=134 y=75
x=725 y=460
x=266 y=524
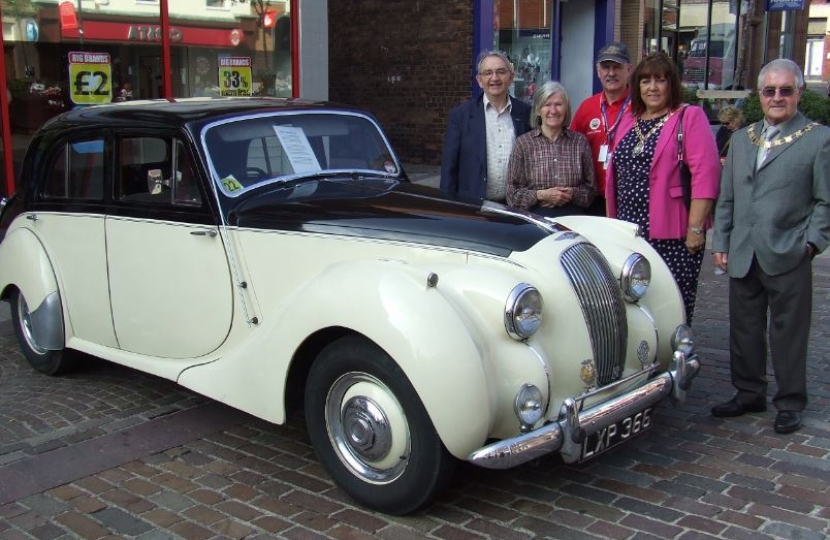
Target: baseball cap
x=614 y=52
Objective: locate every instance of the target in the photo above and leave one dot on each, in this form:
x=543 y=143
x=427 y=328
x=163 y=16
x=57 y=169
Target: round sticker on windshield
x=389 y=167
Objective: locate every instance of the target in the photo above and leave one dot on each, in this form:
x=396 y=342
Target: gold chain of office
x=760 y=141
x=640 y=146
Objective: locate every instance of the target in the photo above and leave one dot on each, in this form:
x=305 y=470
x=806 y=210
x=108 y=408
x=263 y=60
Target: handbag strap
x=680 y=134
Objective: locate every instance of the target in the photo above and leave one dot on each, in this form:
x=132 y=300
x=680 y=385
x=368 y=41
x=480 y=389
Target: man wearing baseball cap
x=599 y=115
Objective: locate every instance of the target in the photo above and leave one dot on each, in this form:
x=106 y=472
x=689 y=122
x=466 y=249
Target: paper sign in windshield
x=296 y=146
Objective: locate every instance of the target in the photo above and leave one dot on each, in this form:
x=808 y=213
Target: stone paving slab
x=692 y=477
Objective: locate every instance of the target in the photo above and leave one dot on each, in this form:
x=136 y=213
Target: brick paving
x=88 y=456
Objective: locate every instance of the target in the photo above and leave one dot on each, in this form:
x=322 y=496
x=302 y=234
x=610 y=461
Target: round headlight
x=523 y=311
x=682 y=340
x=529 y=405
x=636 y=277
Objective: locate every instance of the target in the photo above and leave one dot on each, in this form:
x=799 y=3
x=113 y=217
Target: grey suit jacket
x=773 y=213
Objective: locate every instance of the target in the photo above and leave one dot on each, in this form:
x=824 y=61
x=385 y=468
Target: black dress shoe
x=787 y=421
x=733 y=407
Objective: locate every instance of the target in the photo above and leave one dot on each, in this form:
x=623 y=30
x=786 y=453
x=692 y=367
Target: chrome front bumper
x=567 y=434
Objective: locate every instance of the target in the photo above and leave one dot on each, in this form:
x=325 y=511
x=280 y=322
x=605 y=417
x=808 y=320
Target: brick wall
x=406 y=61
x=631 y=27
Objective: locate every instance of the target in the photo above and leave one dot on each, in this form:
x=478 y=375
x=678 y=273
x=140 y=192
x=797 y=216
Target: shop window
x=523 y=31
x=77 y=172
x=709 y=47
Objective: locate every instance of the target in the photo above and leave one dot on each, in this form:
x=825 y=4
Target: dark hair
x=656 y=65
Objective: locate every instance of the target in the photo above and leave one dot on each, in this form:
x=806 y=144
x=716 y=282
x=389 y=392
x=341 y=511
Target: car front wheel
x=370 y=429
x=43 y=360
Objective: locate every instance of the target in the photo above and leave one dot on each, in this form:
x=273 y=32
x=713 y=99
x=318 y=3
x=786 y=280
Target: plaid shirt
x=538 y=163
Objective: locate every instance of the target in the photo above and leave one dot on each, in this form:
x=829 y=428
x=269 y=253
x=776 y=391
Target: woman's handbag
x=685 y=173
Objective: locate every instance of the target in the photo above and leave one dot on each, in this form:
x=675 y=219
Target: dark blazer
x=772 y=213
x=464 y=161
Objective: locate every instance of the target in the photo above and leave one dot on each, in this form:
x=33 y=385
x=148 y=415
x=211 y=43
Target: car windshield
x=245 y=153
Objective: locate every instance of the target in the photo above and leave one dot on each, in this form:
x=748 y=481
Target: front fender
x=391 y=303
x=25 y=265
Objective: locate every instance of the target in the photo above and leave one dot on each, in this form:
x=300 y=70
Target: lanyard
x=609 y=133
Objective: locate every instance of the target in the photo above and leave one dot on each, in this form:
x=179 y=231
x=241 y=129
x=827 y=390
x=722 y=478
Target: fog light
x=528 y=405
x=682 y=340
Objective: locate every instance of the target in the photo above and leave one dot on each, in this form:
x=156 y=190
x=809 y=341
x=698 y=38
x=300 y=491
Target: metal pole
x=295 y=48
x=8 y=150
x=165 y=51
x=81 y=23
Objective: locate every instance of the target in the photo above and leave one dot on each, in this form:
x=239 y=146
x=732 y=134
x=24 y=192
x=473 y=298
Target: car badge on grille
x=642 y=353
x=588 y=372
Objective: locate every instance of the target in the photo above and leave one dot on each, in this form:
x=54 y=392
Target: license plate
x=615 y=434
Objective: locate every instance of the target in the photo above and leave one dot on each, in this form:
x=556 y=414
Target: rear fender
x=25 y=265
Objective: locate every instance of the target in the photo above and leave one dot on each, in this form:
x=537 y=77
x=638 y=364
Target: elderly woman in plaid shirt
x=551 y=171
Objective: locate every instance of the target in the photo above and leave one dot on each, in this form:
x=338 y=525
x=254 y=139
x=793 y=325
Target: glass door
x=523 y=31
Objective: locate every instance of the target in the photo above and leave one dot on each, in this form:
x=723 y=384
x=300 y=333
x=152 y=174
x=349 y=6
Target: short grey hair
x=541 y=96
x=484 y=55
x=782 y=64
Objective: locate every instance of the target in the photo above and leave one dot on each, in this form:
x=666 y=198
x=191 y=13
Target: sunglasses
x=784 y=91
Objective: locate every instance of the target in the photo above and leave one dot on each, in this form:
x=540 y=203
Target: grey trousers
x=788 y=298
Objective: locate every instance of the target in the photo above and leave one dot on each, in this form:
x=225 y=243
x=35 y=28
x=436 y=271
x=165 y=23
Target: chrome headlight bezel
x=635 y=277
x=523 y=311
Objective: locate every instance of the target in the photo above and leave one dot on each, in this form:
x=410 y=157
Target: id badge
x=603 y=153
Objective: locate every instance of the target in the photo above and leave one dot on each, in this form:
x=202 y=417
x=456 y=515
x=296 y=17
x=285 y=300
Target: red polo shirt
x=589 y=121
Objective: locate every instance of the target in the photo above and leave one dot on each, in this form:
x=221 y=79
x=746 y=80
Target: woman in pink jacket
x=643 y=181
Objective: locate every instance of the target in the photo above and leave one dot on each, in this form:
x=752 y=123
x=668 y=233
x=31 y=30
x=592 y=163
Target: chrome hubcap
x=368 y=428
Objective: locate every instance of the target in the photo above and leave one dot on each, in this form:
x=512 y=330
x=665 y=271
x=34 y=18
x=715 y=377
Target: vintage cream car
x=267 y=253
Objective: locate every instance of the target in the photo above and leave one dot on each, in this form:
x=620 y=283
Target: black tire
x=355 y=388
x=42 y=360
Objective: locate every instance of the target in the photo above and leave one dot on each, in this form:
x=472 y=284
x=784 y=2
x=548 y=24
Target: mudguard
x=25 y=265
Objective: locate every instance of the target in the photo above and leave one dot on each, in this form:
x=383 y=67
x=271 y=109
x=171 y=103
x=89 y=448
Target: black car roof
x=179 y=112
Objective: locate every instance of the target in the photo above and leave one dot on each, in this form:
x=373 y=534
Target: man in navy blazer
x=480 y=133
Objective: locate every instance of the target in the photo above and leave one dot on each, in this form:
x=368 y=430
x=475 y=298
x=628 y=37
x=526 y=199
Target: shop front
x=134 y=44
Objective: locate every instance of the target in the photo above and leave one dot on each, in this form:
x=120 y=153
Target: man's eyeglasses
x=501 y=72
x=783 y=91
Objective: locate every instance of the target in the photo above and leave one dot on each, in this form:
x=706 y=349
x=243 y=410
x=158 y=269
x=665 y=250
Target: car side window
x=185 y=187
x=76 y=172
x=155 y=170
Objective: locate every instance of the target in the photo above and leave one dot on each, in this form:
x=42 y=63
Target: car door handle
x=32 y=217
x=212 y=233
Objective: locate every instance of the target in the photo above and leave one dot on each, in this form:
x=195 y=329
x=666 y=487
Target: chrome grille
x=603 y=307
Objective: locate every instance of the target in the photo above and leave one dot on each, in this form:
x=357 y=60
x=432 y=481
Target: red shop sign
x=69 y=20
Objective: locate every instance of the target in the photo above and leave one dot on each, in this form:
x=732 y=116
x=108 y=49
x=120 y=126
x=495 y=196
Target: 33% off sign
x=235 y=76
x=90 y=78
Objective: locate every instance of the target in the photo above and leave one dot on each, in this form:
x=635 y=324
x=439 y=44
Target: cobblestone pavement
x=108 y=452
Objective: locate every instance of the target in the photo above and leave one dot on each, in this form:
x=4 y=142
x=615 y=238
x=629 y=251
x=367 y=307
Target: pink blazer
x=668 y=217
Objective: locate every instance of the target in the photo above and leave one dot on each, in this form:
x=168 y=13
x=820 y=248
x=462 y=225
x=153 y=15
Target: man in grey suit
x=772 y=218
